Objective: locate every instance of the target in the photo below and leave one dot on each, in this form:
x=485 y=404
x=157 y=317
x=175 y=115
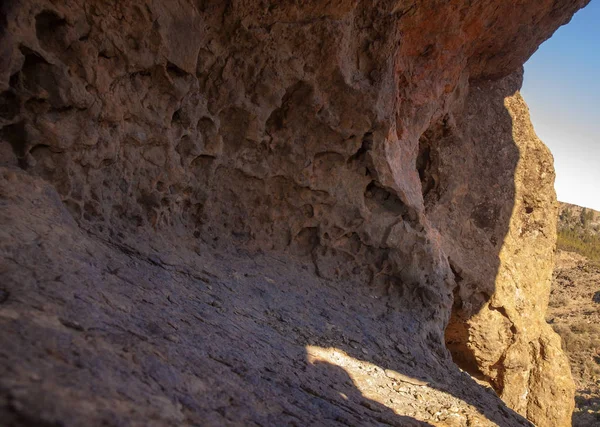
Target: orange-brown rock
x=500 y=241
x=379 y=148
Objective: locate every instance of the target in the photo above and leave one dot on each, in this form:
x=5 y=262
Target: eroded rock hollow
x=196 y=194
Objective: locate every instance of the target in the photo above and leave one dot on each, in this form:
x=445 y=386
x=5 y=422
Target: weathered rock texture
x=93 y=335
x=500 y=238
x=380 y=144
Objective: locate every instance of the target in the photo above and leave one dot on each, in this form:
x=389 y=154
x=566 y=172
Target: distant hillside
x=579 y=231
x=574 y=305
x=574 y=313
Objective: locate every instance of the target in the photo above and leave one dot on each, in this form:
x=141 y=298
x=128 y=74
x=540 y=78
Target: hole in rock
x=297 y=95
x=9 y=105
x=378 y=197
x=16 y=135
x=41 y=79
x=427 y=163
x=33 y=60
x=366 y=145
x=176 y=118
x=175 y=71
x=50 y=30
x=14 y=81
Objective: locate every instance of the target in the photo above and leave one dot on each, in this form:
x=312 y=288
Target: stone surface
x=377 y=146
x=500 y=238
x=94 y=334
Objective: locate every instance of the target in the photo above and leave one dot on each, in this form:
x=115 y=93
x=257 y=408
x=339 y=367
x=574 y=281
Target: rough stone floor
x=97 y=334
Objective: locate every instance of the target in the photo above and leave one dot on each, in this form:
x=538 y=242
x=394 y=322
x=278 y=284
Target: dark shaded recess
x=176 y=118
x=361 y=153
x=485 y=215
x=50 y=30
x=423 y=167
x=142 y=73
x=4 y=294
x=32 y=59
x=201 y=167
x=37 y=106
x=276 y=119
x=181 y=118
x=192 y=210
x=104 y=54
x=149 y=200
x=175 y=71
x=206 y=125
x=375 y=193
x=37 y=75
x=306 y=240
x=9 y=105
x=40 y=151
x=14 y=81
x=457 y=336
x=16 y=135
x=296 y=94
x=185 y=148
x=16 y=416
x=5 y=7
x=427 y=160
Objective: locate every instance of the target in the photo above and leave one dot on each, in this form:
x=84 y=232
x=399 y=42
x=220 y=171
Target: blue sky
x=562 y=89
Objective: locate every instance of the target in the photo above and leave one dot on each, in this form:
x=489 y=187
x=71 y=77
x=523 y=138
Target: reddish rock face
x=384 y=144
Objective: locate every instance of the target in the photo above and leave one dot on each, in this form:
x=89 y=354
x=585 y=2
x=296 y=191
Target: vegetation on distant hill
x=584 y=244
x=577 y=232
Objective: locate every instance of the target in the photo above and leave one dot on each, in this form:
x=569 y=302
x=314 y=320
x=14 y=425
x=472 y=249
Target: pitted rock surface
x=375 y=146
x=95 y=334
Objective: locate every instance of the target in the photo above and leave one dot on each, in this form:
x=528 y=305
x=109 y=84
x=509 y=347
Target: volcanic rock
x=331 y=174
